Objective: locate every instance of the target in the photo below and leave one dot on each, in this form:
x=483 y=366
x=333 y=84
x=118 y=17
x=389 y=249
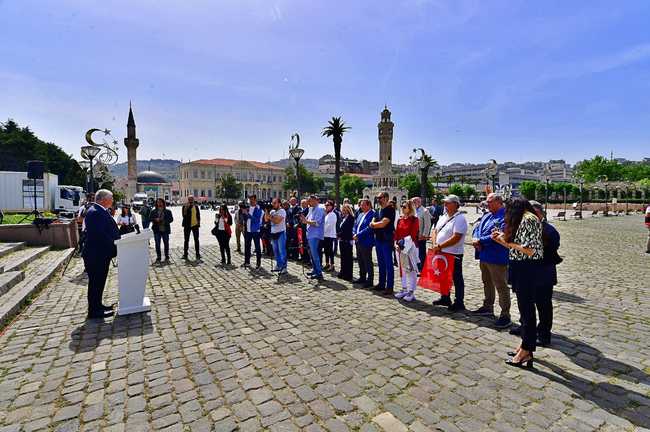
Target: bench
x=577 y=215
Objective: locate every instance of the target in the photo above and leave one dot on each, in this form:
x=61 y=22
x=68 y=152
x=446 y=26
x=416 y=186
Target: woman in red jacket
x=406 y=245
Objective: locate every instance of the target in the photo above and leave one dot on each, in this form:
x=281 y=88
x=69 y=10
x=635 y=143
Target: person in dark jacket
x=101 y=233
x=191 y=224
x=161 y=219
x=222 y=230
x=346 y=241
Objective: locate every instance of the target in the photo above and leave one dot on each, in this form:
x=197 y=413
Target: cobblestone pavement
x=230 y=348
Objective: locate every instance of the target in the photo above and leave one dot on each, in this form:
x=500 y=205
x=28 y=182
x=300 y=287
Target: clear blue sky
x=466 y=80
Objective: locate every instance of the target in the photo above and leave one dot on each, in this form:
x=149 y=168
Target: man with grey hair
x=101 y=233
x=493 y=262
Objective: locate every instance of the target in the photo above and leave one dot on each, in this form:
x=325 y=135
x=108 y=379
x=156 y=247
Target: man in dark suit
x=101 y=233
x=191 y=224
x=364 y=238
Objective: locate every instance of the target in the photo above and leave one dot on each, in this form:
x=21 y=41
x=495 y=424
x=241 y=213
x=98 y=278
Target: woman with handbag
x=126 y=221
x=222 y=230
x=346 y=241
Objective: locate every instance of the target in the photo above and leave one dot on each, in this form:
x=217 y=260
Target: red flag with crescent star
x=437 y=272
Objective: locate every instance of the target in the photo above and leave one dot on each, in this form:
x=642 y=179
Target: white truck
x=138 y=200
x=20 y=194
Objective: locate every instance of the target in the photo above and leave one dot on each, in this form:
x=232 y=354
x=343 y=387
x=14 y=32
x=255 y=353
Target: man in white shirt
x=448 y=237
x=277 y=217
x=424 y=228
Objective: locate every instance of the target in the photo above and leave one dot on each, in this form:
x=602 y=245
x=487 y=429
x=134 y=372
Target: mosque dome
x=151 y=177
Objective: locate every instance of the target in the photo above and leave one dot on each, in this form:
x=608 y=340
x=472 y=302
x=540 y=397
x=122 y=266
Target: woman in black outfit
x=223 y=231
x=523 y=238
x=346 y=241
x=161 y=219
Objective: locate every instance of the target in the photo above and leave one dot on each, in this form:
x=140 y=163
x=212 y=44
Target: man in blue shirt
x=493 y=262
x=315 y=221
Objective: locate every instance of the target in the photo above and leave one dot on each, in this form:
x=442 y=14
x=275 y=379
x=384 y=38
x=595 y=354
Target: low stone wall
x=57 y=235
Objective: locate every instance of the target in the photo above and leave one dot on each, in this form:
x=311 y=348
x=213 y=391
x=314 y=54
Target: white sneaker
x=401 y=294
x=409 y=297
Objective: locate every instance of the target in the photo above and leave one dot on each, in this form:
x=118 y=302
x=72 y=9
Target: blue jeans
x=314 y=245
x=157 y=236
x=280 y=250
x=254 y=238
x=385 y=262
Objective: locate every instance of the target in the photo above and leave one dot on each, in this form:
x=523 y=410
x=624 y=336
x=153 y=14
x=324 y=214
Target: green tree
x=411 y=182
x=230 y=188
x=450 y=179
x=468 y=191
x=335 y=129
x=591 y=169
x=636 y=171
x=457 y=189
x=309 y=183
x=352 y=187
x=18 y=145
x=528 y=188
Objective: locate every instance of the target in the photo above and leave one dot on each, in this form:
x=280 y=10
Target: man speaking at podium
x=101 y=233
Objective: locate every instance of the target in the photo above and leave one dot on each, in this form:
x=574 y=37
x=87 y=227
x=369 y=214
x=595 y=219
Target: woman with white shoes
x=406 y=246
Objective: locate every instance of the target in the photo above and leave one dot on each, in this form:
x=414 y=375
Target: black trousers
x=346 y=259
x=459 y=280
x=97 y=274
x=254 y=238
x=224 y=245
x=544 y=303
x=292 y=243
x=186 y=236
x=524 y=276
x=327 y=246
x=366 y=267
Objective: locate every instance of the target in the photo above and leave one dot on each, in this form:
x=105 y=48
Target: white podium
x=132 y=272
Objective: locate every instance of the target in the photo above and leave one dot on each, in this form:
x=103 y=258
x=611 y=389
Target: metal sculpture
x=108 y=154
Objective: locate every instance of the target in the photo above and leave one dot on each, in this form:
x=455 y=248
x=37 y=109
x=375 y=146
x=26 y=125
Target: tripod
x=34 y=212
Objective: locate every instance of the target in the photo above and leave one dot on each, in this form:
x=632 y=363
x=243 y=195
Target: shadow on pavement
x=614 y=399
x=566 y=297
x=90 y=334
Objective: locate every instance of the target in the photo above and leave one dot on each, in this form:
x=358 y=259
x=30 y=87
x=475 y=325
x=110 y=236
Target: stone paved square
x=232 y=349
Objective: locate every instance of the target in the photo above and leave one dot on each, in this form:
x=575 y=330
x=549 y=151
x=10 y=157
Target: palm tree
x=335 y=129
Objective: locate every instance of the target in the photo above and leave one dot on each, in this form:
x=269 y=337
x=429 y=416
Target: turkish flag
x=299 y=237
x=437 y=272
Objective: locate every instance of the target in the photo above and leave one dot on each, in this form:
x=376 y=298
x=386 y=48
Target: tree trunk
x=337 y=169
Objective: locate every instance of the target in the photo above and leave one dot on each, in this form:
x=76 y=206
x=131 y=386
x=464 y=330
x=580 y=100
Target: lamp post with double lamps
x=491 y=172
x=85 y=165
x=89 y=152
x=581 y=182
x=296 y=153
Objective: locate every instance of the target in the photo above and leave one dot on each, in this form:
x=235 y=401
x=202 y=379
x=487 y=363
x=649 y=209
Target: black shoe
x=166 y=259
x=483 y=311
x=185 y=256
x=318 y=277
x=456 y=307
x=198 y=257
x=378 y=288
x=246 y=265
x=515 y=331
x=544 y=342
x=388 y=292
x=108 y=308
x=223 y=261
x=100 y=314
x=367 y=285
x=359 y=281
x=503 y=322
x=525 y=363
x=442 y=301
x=157 y=260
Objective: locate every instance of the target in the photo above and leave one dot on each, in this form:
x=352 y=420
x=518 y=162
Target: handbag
x=215 y=230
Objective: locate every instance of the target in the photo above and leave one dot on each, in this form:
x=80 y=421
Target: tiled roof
x=232 y=162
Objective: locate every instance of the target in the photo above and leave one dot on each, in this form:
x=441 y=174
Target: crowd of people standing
x=513 y=242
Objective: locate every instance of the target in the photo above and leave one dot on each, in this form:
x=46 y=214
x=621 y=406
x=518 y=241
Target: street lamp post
x=423 y=162
x=85 y=165
x=603 y=179
x=547 y=179
x=296 y=153
x=89 y=152
x=491 y=172
x=581 y=182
